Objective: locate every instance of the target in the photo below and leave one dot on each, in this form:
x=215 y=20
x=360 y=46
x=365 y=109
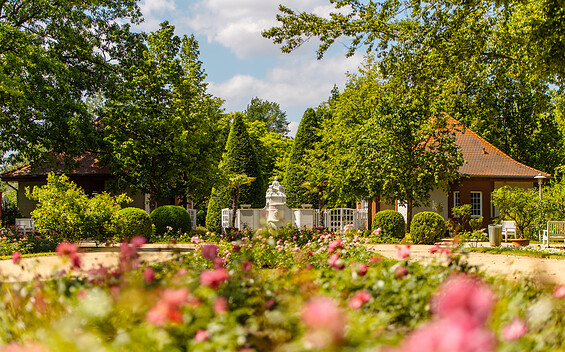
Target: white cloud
x=237 y=25
x=293 y=127
x=297 y=83
x=153 y=11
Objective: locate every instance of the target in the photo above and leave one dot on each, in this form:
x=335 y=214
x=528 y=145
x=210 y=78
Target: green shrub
x=170 y=216
x=64 y=208
x=427 y=228
x=391 y=223
x=10 y=212
x=130 y=222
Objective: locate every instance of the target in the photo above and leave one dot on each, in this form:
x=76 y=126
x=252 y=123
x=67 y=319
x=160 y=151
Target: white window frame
x=456 y=201
x=480 y=204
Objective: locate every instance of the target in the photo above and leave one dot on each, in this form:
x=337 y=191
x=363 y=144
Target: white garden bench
x=508 y=227
x=26 y=224
x=555 y=231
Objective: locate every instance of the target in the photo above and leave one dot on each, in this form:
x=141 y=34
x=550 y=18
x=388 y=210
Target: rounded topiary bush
x=427 y=228
x=391 y=223
x=173 y=216
x=130 y=222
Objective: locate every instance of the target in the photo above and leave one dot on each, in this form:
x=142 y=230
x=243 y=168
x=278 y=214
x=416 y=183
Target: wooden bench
x=26 y=224
x=508 y=227
x=555 y=231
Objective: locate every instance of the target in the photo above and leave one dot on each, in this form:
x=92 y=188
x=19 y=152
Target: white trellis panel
x=338 y=218
x=226 y=217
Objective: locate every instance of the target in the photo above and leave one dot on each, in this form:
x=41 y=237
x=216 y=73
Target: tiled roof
x=484 y=159
x=86 y=166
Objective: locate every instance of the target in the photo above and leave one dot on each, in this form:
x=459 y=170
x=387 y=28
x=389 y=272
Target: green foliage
x=160 y=124
x=173 y=216
x=64 y=208
x=305 y=139
x=391 y=223
x=54 y=55
x=520 y=205
x=463 y=214
x=268 y=112
x=476 y=223
x=10 y=212
x=239 y=158
x=427 y=228
x=130 y=222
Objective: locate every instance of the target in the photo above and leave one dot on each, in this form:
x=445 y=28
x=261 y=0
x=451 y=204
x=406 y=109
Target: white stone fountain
x=278 y=214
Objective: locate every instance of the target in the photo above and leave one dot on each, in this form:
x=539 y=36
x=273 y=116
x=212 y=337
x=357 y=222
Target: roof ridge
x=16 y=169
x=497 y=150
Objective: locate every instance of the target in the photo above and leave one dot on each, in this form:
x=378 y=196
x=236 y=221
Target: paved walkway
x=544 y=271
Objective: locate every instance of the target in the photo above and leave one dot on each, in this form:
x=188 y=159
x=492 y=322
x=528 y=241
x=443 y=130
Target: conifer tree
x=306 y=137
x=240 y=157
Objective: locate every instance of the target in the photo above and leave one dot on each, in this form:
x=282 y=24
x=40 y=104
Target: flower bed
x=276 y=292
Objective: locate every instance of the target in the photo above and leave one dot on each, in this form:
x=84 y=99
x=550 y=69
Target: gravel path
x=544 y=271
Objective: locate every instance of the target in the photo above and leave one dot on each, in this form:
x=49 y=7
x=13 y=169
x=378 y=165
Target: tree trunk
x=409 y=203
x=235 y=206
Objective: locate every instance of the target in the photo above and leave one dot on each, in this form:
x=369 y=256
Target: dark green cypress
x=306 y=137
x=240 y=157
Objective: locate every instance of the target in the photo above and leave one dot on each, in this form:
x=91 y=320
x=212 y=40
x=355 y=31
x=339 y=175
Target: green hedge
x=130 y=222
x=391 y=223
x=427 y=228
x=171 y=215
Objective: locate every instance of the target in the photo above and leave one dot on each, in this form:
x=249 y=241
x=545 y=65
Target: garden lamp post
x=540 y=179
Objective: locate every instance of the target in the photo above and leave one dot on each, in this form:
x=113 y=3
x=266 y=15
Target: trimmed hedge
x=391 y=223
x=427 y=228
x=130 y=222
x=170 y=215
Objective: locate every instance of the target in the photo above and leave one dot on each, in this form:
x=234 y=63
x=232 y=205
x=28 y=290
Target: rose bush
x=279 y=291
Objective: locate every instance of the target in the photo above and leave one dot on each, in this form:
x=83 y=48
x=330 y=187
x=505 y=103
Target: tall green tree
x=52 y=56
x=268 y=112
x=160 y=122
x=239 y=158
x=306 y=137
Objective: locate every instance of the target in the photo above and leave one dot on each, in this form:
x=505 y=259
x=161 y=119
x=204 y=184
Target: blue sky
x=241 y=64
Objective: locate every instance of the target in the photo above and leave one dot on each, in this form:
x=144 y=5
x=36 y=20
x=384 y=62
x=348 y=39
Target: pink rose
x=559 y=292
x=209 y=251
x=514 y=330
x=16 y=257
x=213 y=278
x=325 y=322
x=359 y=299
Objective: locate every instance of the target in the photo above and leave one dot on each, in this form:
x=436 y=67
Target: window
x=476 y=204
x=456 y=199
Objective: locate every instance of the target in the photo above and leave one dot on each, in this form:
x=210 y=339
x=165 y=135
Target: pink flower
x=138 y=241
x=66 y=249
x=434 y=249
x=213 y=278
x=514 y=330
x=246 y=266
x=336 y=244
x=404 y=252
x=448 y=336
x=149 y=275
x=167 y=310
x=359 y=299
x=461 y=297
x=374 y=260
x=400 y=271
x=559 y=292
x=209 y=251
x=16 y=257
x=16 y=347
x=70 y=251
x=335 y=262
x=362 y=270
x=325 y=322
x=376 y=231
x=220 y=305
x=201 y=335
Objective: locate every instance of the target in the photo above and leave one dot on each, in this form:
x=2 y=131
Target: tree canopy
x=159 y=122
x=268 y=112
x=53 y=55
